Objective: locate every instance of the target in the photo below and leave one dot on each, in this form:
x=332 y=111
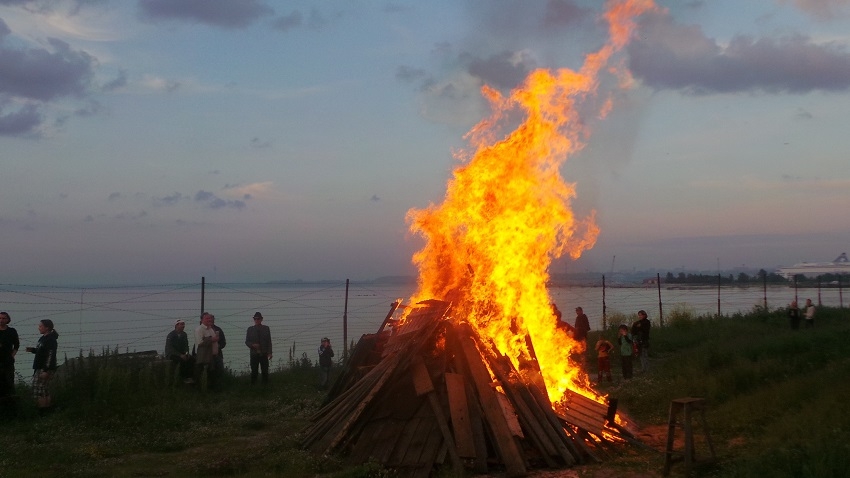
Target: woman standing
x=44 y=364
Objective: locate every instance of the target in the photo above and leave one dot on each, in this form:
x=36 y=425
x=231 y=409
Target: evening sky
x=252 y=140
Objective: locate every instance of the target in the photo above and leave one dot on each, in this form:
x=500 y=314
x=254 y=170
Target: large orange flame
x=507 y=215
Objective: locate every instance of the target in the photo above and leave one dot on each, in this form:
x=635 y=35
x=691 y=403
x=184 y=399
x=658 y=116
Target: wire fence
x=138 y=318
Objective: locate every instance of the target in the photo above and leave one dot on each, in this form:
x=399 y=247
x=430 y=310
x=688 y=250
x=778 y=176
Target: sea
x=136 y=318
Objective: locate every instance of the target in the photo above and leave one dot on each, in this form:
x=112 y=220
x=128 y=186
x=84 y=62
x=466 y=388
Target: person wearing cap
x=9 y=345
x=326 y=354
x=259 y=341
x=177 y=350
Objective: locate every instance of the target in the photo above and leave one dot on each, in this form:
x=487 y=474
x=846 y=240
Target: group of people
x=43 y=365
x=207 y=360
x=794 y=314
x=207 y=357
x=632 y=343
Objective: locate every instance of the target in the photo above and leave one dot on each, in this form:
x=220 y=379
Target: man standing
x=326 y=354
x=582 y=327
x=259 y=340
x=810 y=313
x=206 y=349
x=177 y=350
x=9 y=345
x=640 y=333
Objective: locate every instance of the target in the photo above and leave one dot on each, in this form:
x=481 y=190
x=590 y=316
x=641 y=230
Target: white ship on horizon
x=841 y=265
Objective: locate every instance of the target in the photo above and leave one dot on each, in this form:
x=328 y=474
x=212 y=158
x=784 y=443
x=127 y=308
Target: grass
x=776 y=407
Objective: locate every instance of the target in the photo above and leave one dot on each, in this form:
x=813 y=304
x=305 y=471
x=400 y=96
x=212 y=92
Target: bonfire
x=476 y=358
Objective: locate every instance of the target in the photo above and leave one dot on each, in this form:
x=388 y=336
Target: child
x=603 y=361
x=625 y=341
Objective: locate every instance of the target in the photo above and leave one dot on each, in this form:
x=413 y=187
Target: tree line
x=744 y=278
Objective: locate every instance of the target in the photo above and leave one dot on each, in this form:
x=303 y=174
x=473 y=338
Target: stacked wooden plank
x=441 y=397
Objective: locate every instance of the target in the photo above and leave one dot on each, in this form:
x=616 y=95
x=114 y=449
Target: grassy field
x=776 y=407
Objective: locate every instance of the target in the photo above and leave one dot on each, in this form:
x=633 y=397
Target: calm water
x=139 y=318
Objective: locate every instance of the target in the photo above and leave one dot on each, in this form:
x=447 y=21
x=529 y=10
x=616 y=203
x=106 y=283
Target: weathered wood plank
x=509 y=452
x=459 y=413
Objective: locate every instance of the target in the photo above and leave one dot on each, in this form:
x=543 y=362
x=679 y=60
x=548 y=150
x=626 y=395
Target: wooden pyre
x=431 y=393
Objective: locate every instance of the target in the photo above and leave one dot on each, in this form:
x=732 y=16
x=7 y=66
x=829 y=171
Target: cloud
x=248 y=191
x=114 y=196
x=35 y=77
x=219 y=13
x=161 y=84
x=22 y=122
x=561 y=13
x=118 y=82
x=821 y=9
x=212 y=201
x=168 y=200
x=43 y=75
x=505 y=70
x=681 y=57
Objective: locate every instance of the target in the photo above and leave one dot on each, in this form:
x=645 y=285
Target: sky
x=160 y=141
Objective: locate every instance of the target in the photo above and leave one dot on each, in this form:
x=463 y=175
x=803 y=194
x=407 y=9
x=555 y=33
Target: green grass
x=776 y=407
x=776 y=397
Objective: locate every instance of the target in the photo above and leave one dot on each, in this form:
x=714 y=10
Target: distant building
x=841 y=265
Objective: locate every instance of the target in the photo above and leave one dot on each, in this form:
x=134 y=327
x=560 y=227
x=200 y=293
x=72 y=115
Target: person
x=640 y=334
x=603 y=360
x=624 y=339
x=259 y=341
x=206 y=349
x=326 y=354
x=222 y=342
x=44 y=365
x=580 y=330
x=9 y=345
x=177 y=350
x=810 y=313
x=794 y=315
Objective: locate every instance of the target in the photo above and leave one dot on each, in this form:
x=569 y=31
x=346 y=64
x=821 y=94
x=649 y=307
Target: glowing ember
x=506 y=214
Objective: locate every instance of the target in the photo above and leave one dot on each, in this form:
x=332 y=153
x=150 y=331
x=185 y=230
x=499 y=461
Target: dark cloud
x=678 y=57
x=220 y=13
x=503 y=70
x=561 y=13
x=212 y=201
x=39 y=74
x=22 y=122
x=169 y=200
x=114 y=196
x=288 y=22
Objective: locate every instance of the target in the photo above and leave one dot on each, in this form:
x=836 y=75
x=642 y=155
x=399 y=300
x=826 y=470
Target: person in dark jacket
x=9 y=344
x=44 y=364
x=258 y=338
x=177 y=350
x=640 y=334
x=326 y=354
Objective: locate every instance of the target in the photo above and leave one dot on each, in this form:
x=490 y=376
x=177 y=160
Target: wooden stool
x=687 y=405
